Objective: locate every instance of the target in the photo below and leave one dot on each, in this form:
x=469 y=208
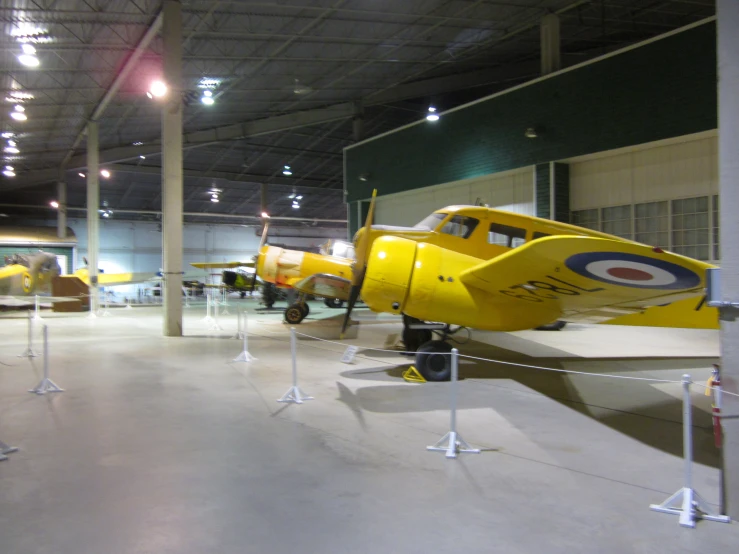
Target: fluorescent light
x=28 y=48
x=54 y=204
x=432 y=115
x=296 y=206
x=138 y=143
x=292 y=195
x=8 y=135
x=299 y=197
x=287 y=171
x=265 y=215
x=81 y=175
x=28 y=60
x=9 y=173
x=12 y=150
x=19 y=108
x=12 y=143
x=214 y=198
x=207 y=100
x=207 y=93
x=9 y=168
x=105 y=173
x=142 y=157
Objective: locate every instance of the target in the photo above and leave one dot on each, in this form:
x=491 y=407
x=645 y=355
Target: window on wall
x=690 y=227
x=716 y=249
x=617 y=221
x=587 y=218
x=652 y=223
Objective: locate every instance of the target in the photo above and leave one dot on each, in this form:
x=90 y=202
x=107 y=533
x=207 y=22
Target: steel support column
x=172 y=202
x=93 y=217
x=263 y=202
x=551 y=60
x=728 y=123
x=61 y=214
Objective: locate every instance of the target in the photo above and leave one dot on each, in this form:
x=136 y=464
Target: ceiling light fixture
x=265 y=215
x=29 y=60
x=531 y=133
x=142 y=157
x=105 y=173
x=54 y=204
x=138 y=143
x=8 y=135
x=432 y=115
x=9 y=168
x=81 y=175
x=12 y=150
x=286 y=171
x=207 y=98
x=157 y=89
x=9 y=173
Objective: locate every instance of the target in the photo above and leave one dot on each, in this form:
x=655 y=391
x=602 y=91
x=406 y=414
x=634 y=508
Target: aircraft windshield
x=431 y=222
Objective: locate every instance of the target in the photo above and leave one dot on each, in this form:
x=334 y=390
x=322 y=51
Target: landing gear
x=295 y=313
x=433 y=359
x=554 y=326
x=242 y=294
x=333 y=302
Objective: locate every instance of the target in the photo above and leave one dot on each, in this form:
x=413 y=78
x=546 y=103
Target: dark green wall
x=664 y=89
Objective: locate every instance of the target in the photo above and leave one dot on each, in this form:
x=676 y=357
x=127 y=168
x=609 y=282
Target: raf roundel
x=632 y=270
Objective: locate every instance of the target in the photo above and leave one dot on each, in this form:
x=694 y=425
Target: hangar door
x=510 y=190
x=26 y=240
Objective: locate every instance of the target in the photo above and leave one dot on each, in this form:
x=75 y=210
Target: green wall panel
x=542 y=206
x=664 y=89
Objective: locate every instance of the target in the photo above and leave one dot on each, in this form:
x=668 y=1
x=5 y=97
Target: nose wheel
x=433 y=357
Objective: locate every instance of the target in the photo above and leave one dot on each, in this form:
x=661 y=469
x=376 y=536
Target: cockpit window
x=431 y=222
x=460 y=226
x=505 y=235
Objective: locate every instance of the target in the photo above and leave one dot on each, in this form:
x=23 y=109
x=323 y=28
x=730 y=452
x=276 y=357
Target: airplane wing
x=324 y=285
x=110 y=279
x=592 y=279
x=11 y=270
x=222 y=265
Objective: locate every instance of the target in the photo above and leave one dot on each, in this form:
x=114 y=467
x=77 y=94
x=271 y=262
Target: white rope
x=569 y=371
x=714 y=388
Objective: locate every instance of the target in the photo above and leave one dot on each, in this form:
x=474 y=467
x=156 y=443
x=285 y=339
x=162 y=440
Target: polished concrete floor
x=164 y=445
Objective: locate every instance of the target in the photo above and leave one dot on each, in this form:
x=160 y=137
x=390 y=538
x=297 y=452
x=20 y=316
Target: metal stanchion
x=46 y=384
x=37 y=308
x=207 y=318
x=294 y=394
x=240 y=331
x=692 y=505
x=105 y=313
x=28 y=352
x=224 y=302
x=215 y=326
x=452 y=443
x=187 y=297
x=6 y=449
x=245 y=356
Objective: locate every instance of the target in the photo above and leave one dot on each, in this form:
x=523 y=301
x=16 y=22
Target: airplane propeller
x=261 y=245
x=359 y=267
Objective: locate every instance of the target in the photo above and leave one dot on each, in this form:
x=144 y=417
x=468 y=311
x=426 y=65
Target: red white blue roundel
x=632 y=270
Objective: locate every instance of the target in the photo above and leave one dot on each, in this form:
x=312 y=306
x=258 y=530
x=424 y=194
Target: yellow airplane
x=39 y=273
x=478 y=267
x=327 y=275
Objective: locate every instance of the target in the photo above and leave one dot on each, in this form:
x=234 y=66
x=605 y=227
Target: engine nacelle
x=422 y=280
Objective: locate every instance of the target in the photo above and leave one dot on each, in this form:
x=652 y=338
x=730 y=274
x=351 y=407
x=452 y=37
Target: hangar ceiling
x=293 y=83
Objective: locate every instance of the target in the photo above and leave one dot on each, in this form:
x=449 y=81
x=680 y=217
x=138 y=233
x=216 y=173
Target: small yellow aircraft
x=39 y=273
x=327 y=275
x=478 y=267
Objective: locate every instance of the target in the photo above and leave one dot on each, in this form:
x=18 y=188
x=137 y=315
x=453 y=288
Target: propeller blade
x=262 y=242
x=360 y=264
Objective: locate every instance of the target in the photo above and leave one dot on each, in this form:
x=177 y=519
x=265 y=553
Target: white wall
x=646 y=174
x=510 y=190
x=137 y=246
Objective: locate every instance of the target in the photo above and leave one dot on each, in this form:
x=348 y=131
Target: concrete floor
x=163 y=445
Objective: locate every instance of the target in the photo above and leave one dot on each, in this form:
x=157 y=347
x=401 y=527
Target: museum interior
x=369 y=276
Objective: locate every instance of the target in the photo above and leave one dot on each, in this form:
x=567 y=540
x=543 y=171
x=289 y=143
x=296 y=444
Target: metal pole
x=687 y=433
x=29 y=353
x=37 y=313
x=172 y=201
x=93 y=218
x=294 y=353
x=61 y=214
x=455 y=378
x=46 y=353
x=46 y=384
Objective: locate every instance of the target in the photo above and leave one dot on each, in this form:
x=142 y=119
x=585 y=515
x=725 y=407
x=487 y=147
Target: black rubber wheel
x=333 y=302
x=434 y=360
x=243 y=294
x=306 y=309
x=294 y=314
x=414 y=338
x=554 y=326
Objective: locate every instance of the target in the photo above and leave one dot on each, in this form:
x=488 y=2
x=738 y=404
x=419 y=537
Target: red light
x=658 y=250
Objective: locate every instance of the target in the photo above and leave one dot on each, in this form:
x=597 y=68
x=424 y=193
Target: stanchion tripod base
x=5 y=449
x=245 y=357
x=453 y=444
x=28 y=354
x=295 y=396
x=690 y=506
x=46 y=385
